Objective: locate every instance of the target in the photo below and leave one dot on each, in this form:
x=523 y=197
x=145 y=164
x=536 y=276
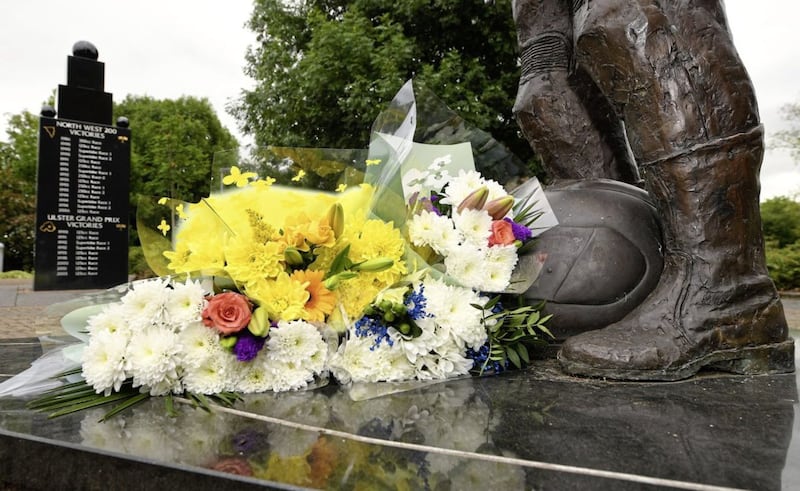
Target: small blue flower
x=479 y=358
x=371 y=326
x=416 y=303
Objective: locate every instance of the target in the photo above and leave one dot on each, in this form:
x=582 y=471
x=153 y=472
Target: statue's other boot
x=714 y=305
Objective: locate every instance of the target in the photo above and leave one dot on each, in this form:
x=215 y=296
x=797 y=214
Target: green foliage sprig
x=77 y=396
x=511 y=332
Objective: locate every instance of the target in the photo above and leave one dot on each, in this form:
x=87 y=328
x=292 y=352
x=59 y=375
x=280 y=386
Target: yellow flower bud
x=228 y=342
x=332 y=282
x=475 y=200
x=499 y=208
x=259 y=322
x=374 y=265
x=336 y=219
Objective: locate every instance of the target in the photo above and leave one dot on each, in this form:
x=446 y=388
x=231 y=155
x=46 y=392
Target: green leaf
x=513 y=356
x=522 y=350
x=491 y=303
x=99 y=400
x=340 y=263
x=130 y=402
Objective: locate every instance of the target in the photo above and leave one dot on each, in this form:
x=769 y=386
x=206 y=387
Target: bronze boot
x=714 y=305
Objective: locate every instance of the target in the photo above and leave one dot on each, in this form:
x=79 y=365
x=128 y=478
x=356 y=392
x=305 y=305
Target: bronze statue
x=614 y=88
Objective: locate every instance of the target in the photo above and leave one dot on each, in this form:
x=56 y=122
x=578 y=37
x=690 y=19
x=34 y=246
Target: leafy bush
x=784 y=265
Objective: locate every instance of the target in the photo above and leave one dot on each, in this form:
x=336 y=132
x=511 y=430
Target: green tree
x=18 y=159
x=780 y=218
x=325 y=68
x=173 y=145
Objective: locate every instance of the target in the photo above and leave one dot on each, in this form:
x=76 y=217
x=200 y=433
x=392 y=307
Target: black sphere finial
x=84 y=49
x=48 y=111
x=123 y=122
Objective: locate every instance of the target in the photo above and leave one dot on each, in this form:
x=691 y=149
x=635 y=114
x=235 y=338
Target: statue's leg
x=550 y=105
x=674 y=77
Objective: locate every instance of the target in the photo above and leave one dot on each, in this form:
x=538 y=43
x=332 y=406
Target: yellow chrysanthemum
x=248 y=262
x=283 y=297
x=378 y=239
x=355 y=294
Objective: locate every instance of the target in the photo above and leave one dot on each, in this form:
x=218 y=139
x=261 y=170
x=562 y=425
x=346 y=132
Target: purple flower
x=521 y=232
x=247 y=345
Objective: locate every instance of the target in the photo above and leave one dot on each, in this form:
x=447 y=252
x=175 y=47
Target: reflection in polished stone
x=715 y=429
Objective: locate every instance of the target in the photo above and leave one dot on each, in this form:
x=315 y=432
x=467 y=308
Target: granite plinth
x=532 y=429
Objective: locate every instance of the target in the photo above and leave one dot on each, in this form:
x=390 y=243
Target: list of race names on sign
x=85 y=209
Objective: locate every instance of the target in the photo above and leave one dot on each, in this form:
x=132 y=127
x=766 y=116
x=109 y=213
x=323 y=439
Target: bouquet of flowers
x=270 y=287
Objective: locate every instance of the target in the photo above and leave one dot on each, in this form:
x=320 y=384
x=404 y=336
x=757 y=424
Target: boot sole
x=752 y=360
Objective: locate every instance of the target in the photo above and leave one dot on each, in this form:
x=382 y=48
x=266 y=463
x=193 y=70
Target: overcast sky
x=169 y=48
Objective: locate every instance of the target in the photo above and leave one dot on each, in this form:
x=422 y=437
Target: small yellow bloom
x=263 y=183
x=163 y=201
x=300 y=174
x=341 y=187
x=373 y=162
x=164 y=227
x=180 y=212
x=238 y=177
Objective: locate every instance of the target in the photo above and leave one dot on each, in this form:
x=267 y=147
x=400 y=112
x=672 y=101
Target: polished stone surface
x=533 y=429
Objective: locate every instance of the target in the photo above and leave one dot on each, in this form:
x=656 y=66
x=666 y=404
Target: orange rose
x=502 y=233
x=227 y=312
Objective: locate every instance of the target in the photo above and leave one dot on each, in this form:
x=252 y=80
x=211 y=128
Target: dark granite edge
x=31 y=462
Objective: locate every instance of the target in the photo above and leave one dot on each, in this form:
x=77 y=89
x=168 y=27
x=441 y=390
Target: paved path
x=24 y=313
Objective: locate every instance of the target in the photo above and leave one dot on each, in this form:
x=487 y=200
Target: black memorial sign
x=82 y=205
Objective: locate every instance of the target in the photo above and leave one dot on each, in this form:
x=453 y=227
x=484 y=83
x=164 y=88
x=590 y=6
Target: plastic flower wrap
x=382 y=265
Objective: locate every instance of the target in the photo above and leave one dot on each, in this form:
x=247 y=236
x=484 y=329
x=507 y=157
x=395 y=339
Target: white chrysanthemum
x=295 y=341
x=199 y=343
x=465 y=265
x=104 y=361
x=292 y=375
x=448 y=361
x=461 y=186
x=253 y=376
x=475 y=226
x=185 y=303
x=110 y=319
x=153 y=360
x=499 y=265
x=416 y=347
x=359 y=360
x=429 y=229
x=447 y=239
x=452 y=309
x=211 y=376
x=144 y=304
